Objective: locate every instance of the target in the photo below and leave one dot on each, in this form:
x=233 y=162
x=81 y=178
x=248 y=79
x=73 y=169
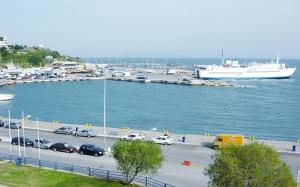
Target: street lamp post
x=19 y=142
x=9 y=131
x=104 y=110
x=38 y=135
x=23 y=127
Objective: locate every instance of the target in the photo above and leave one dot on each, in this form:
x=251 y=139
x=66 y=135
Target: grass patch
x=11 y=175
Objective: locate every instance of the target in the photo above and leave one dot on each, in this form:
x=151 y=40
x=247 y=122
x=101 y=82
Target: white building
x=179 y=72
x=67 y=65
x=3 y=42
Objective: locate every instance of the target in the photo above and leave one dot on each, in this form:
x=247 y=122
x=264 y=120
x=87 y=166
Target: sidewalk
x=190 y=139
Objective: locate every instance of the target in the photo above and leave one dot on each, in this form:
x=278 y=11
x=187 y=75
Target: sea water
x=267 y=109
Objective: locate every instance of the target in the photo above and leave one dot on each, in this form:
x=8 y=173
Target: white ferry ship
x=231 y=69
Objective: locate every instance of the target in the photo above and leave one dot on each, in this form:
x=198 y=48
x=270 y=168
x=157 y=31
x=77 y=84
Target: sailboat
x=5 y=97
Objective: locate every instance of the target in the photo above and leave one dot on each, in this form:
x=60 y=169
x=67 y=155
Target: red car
x=63 y=147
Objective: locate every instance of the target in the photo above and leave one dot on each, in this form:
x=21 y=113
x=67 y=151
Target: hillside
x=34 y=56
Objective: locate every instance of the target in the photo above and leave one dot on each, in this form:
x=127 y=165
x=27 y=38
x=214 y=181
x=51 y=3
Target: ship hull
x=246 y=75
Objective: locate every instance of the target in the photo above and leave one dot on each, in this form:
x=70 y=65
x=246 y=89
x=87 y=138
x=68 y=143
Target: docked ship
x=231 y=69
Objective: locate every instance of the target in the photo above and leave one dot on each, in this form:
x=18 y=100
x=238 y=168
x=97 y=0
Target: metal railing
x=101 y=173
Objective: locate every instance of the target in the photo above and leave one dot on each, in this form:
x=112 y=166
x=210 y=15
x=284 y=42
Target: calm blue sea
x=268 y=109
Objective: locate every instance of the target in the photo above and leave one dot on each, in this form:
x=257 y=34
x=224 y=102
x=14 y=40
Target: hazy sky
x=161 y=28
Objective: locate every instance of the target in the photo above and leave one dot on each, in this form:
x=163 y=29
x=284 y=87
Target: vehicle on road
x=64 y=130
x=44 y=143
x=91 y=149
x=63 y=147
x=2 y=123
x=13 y=125
x=223 y=140
x=165 y=140
x=28 y=142
x=86 y=133
x=133 y=137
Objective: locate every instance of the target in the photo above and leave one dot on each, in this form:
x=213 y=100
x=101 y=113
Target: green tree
x=35 y=60
x=252 y=165
x=54 y=54
x=5 y=56
x=134 y=157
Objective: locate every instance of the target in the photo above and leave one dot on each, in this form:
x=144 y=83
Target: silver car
x=86 y=133
x=44 y=143
x=13 y=125
x=64 y=130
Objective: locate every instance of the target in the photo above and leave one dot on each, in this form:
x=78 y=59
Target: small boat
x=2 y=83
x=6 y=97
x=10 y=83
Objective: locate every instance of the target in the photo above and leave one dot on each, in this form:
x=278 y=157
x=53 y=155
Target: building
x=3 y=42
x=179 y=72
x=68 y=66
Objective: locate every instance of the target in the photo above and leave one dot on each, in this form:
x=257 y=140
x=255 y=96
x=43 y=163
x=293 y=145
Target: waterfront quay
x=67 y=79
x=172 y=79
x=205 y=140
x=173 y=172
x=60 y=71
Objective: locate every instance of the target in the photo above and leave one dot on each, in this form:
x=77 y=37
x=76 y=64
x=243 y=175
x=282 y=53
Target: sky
x=156 y=28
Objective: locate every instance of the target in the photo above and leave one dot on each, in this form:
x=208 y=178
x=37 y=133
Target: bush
x=253 y=165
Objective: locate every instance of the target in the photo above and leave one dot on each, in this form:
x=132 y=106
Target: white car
x=133 y=137
x=165 y=140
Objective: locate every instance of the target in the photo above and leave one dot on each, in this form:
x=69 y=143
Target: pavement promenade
x=190 y=139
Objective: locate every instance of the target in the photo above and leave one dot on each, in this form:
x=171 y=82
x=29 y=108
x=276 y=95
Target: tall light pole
x=38 y=135
x=23 y=127
x=298 y=179
x=104 y=110
x=19 y=142
x=9 y=131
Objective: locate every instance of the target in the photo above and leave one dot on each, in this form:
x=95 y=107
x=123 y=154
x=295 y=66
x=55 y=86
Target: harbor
x=184 y=109
x=75 y=71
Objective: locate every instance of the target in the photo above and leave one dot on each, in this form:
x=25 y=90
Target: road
x=172 y=171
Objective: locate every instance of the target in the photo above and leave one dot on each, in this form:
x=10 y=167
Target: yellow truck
x=223 y=140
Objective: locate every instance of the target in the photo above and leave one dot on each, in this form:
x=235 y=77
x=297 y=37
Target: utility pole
x=104 y=110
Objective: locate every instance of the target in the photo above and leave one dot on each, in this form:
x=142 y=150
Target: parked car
x=28 y=142
x=64 y=130
x=165 y=140
x=133 y=137
x=91 y=149
x=63 y=147
x=86 y=132
x=13 y=125
x=2 y=123
x=44 y=143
